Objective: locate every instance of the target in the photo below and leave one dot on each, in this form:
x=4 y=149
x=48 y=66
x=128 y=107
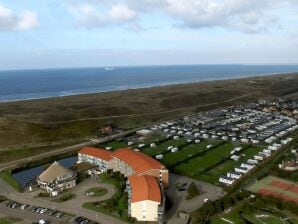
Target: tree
x=192 y=191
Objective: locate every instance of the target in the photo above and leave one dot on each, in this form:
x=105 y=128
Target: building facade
x=130 y=162
x=145 y=198
x=56 y=179
x=147 y=179
x=98 y=157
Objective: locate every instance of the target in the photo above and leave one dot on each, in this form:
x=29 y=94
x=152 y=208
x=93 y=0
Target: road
x=72 y=207
x=15 y=163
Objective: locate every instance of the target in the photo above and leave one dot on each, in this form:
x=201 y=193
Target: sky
x=94 y=33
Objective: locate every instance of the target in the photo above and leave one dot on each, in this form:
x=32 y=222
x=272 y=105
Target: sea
x=16 y=85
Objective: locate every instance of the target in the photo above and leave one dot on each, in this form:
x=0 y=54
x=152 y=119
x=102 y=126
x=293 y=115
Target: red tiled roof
x=95 y=152
x=139 y=162
x=144 y=188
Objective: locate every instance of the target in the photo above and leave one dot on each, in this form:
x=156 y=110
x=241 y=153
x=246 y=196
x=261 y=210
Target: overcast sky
x=88 y=33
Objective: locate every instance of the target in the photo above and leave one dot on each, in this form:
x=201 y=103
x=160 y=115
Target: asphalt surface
x=75 y=208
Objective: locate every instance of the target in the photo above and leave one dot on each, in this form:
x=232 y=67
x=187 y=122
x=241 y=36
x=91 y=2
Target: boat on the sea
x=109 y=68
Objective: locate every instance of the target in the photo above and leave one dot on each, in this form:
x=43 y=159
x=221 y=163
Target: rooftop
x=96 y=152
x=144 y=188
x=137 y=160
x=54 y=171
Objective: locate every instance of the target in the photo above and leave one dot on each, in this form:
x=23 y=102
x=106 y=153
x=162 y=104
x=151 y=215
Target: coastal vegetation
x=75 y=118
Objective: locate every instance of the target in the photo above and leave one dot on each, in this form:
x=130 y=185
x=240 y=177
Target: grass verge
x=96 y=192
x=7 y=177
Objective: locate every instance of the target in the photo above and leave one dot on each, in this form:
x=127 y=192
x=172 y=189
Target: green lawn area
x=187 y=151
x=65 y=197
x=114 y=144
x=8 y=220
x=96 y=191
x=117 y=206
x=147 y=141
x=162 y=148
x=212 y=175
x=197 y=165
x=7 y=177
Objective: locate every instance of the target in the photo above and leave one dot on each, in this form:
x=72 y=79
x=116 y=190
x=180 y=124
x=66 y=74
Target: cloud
x=243 y=15
x=91 y=16
x=11 y=22
x=120 y=13
x=247 y=16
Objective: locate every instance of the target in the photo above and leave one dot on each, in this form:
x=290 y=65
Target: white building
x=234 y=175
x=243 y=170
x=56 y=179
x=226 y=180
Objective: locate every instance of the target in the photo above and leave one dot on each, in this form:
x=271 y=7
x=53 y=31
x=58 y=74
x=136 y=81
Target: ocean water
x=35 y=84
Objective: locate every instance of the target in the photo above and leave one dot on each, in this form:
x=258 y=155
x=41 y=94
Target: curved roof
x=138 y=161
x=144 y=188
x=55 y=171
x=96 y=152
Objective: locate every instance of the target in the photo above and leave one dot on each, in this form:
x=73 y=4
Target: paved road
x=71 y=207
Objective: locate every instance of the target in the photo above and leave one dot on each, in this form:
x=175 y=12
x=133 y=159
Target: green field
x=198 y=165
x=186 y=152
x=162 y=148
x=213 y=175
x=114 y=144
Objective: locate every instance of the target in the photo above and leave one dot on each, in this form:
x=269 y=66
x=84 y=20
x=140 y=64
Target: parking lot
x=29 y=214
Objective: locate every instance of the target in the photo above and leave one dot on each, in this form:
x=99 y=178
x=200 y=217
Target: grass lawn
x=7 y=177
x=65 y=197
x=117 y=206
x=148 y=140
x=96 y=191
x=114 y=144
x=213 y=175
x=197 y=165
x=8 y=220
x=162 y=148
x=189 y=150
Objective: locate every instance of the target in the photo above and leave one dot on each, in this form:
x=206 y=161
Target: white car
x=206 y=200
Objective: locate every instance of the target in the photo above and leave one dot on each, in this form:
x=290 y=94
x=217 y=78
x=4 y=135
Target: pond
x=24 y=176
